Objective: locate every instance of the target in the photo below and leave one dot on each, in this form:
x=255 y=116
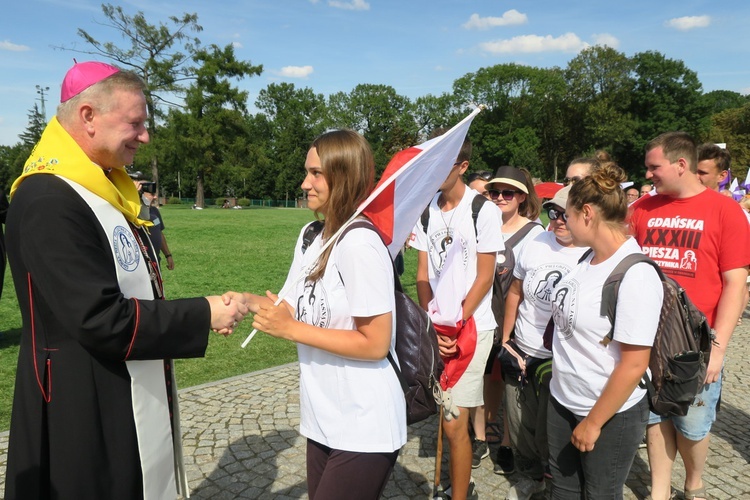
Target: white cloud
x=745 y=91
x=12 y=47
x=353 y=5
x=688 y=22
x=295 y=71
x=509 y=18
x=440 y=68
x=237 y=45
x=569 y=42
x=606 y=39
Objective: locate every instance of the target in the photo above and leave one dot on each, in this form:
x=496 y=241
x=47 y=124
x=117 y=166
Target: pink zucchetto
x=82 y=76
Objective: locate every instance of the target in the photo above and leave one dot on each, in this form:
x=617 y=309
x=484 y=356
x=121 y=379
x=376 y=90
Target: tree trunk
x=199 y=200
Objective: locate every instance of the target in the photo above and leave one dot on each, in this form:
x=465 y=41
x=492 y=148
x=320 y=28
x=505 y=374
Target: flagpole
x=375 y=193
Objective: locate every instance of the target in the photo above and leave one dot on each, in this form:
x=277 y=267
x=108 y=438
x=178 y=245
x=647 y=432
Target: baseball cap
x=560 y=199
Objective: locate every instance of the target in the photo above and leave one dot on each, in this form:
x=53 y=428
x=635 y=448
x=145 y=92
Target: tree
x=732 y=126
x=666 y=96
x=160 y=54
x=431 y=112
x=210 y=133
x=381 y=115
x=524 y=121
x=12 y=159
x=294 y=117
x=34 y=129
x=717 y=101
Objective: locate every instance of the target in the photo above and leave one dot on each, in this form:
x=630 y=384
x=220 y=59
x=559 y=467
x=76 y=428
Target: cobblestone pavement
x=240 y=441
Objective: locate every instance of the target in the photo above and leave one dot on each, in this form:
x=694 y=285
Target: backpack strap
x=397 y=286
x=476 y=206
x=611 y=288
x=312 y=231
x=520 y=234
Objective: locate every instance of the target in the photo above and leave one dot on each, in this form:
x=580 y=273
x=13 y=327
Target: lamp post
x=41 y=90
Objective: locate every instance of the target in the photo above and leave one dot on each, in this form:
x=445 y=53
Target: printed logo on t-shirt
x=672 y=243
x=313 y=307
x=541 y=281
x=126 y=249
x=563 y=307
x=440 y=241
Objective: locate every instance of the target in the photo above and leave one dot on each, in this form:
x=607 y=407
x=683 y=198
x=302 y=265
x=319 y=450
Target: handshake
x=232 y=307
x=227 y=311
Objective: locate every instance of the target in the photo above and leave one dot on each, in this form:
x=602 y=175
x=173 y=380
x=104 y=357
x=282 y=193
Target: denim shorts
x=702 y=413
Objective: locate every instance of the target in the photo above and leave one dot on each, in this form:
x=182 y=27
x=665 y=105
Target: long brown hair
x=348 y=166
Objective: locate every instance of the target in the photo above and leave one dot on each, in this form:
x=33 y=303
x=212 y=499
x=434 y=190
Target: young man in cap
x=95 y=388
x=701 y=239
x=451 y=235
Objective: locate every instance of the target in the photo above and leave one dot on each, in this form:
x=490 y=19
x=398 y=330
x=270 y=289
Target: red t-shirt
x=694 y=240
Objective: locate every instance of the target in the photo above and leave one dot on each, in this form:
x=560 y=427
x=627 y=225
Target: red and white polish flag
x=409 y=183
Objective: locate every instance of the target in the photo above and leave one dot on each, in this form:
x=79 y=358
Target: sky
x=418 y=47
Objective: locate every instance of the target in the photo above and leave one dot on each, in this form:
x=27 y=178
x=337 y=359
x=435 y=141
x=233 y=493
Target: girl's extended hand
x=274 y=320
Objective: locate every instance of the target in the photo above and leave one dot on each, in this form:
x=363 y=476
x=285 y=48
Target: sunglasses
x=571 y=180
x=507 y=194
x=554 y=214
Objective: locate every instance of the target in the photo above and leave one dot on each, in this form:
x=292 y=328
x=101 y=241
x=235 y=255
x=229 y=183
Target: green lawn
x=214 y=250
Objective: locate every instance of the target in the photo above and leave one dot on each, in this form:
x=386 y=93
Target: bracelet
x=167 y=255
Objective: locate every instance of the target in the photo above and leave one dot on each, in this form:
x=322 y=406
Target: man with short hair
x=95 y=395
x=451 y=233
x=631 y=194
x=646 y=189
x=713 y=165
x=687 y=218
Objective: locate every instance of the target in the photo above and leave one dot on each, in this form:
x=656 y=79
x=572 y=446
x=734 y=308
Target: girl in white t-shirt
x=528 y=308
x=597 y=414
x=342 y=317
x=512 y=190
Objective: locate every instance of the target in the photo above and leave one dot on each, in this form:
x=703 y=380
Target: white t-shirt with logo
x=347 y=404
x=457 y=225
x=540 y=267
x=582 y=365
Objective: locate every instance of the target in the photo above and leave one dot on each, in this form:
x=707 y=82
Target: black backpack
x=504 y=276
x=416 y=344
x=682 y=346
x=476 y=206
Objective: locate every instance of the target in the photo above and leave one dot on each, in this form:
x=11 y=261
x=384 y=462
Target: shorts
x=700 y=416
x=469 y=390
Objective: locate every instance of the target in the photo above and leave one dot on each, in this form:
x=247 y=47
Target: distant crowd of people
x=515 y=305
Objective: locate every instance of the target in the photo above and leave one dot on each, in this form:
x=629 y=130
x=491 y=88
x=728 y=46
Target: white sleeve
x=639 y=303
x=490 y=229
x=419 y=241
x=366 y=272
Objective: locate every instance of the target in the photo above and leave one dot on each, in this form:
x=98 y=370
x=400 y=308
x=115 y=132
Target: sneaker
x=479 y=450
x=525 y=489
x=472 y=494
x=504 y=464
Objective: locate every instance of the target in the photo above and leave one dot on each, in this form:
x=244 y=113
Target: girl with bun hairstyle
x=597 y=413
